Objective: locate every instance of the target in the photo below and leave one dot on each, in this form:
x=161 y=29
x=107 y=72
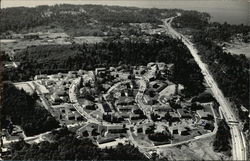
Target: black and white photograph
x=160 y=80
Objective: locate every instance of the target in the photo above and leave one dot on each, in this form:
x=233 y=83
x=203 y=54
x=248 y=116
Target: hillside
x=78 y=19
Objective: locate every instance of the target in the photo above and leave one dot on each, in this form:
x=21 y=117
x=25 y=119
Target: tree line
x=65 y=146
x=50 y=59
x=222 y=138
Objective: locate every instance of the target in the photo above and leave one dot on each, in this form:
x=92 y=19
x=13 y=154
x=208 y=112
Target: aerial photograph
x=161 y=80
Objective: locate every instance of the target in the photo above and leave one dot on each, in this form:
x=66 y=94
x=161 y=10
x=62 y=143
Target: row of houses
x=103 y=134
x=67 y=112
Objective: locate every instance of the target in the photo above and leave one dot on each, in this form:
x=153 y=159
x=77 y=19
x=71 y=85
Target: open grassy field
x=239 y=48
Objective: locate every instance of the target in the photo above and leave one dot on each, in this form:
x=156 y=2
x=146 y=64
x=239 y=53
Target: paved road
x=79 y=108
x=238 y=144
x=114 y=87
x=139 y=97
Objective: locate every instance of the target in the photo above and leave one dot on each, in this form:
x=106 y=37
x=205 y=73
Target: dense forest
x=230 y=71
x=222 y=138
x=192 y=19
x=78 y=19
x=62 y=58
x=3 y=56
x=20 y=108
x=67 y=147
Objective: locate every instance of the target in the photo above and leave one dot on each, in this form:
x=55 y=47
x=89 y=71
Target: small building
x=158 y=86
x=144 y=128
x=106 y=107
x=79 y=117
x=49 y=82
x=80 y=72
x=91 y=106
x=174 y=130
x=150 y=65
x=60 y=92
x=209 y=126
x=125 y=101
x=100 y=70
x=162 y=108
x=179 y=130
x=183 y=113
x=202 y=114
x=136 y=117
x=124 y=108
x=93 y=129
x=125 y=115
x=170 y=70
x=116 y=129
x=161 y=66
x=112 y=69
x=41 y=76
x=150 y=77
x=183 y=131
x=150 y=100
x=174 y=116
x=55 y=98
x=31 y=36
x=102 y=140
x=72 y=74
x=244 y=109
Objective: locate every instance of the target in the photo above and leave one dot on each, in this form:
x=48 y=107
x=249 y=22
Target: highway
x=238 y=140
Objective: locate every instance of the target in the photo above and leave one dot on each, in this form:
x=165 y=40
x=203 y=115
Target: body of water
x=231 y=11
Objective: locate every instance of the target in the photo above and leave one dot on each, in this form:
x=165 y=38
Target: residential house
x=41 y=76
x=150 y=100
x=55 y=98
x=179 y=130
x=175 y=116
x=203 y=114
x=125 y=101
x=183 y=113
x=100 y=70
x=116 y=129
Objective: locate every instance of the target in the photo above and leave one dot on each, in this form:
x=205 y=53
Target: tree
x=223 y=136
x=24 y=111
x=167 y=116
x=65 y=145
